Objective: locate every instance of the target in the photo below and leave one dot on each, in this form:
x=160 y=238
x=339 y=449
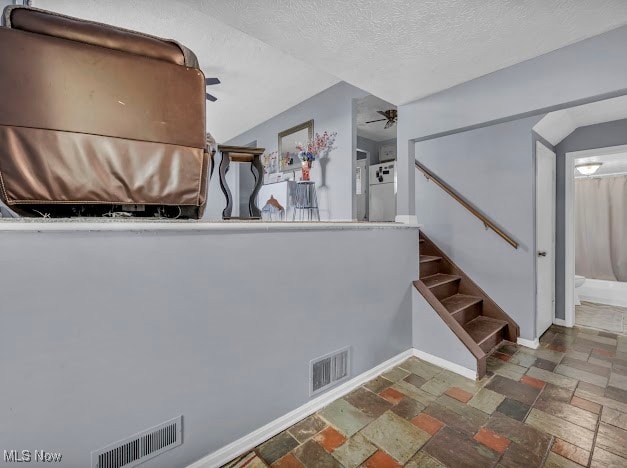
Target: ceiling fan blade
x=212 y=81
x=380 y=120
x=383 y=114
x=211 y=98
x=389 y=124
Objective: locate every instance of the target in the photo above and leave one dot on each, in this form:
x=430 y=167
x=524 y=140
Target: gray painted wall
x=493 y=168
x=331 y=110
x=215 y=198
x=371 y=146
x=246 y=185
x=105 y=334
x=432 y=335
x=587 y=71
x=584 y=138
x=582 y=72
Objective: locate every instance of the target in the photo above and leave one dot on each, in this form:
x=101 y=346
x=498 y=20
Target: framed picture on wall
x=288 y=139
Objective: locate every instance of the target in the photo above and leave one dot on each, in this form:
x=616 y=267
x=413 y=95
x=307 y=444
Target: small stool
x=241 y=154
x=306 y=201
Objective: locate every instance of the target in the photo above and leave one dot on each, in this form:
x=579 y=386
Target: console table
x=245 y=155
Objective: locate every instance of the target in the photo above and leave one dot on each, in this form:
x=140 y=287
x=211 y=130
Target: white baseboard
x=250 y=441
x=562 y=323
x=533 y=344
x=411 y=220
x=448 y=365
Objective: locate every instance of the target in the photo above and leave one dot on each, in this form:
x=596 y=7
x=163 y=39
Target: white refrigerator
x=382 y=193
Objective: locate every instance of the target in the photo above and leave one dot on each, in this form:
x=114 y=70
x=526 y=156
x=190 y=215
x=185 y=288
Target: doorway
x=375 y=146
x=594 y=216
x=545 y=237
x=362 y=185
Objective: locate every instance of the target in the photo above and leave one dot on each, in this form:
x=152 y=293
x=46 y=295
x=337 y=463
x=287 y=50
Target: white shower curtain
x=601 y=228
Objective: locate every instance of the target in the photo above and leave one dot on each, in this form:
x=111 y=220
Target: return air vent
x=141 y=446
x=328 y=370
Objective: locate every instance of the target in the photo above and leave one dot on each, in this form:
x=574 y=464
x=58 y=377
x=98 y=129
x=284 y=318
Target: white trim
x=561 y=323
x=569 y=224
x=250 y=441
x=76 y=225
x=569 y=241
x=533 y=344
x=551 y=203
x=448 y=365
x=411 y=220
x=367 y=184
x=605 y=151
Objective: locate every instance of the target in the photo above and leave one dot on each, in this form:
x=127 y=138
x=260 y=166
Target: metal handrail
x=461 y=200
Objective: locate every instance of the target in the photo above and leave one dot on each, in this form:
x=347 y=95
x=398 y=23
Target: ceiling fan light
x=588 y=168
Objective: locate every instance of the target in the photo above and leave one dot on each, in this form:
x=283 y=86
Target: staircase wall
x=431 y=335
x=586 y=71
x=493 y=167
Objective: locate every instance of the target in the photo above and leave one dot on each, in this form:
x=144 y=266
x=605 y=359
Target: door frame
x=367 y=178
x=569 y=226
x=553 y=203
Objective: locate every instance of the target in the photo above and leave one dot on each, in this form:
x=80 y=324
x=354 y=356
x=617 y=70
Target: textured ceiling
x=401 y=50
x=258 y=81
x=556 y=126
x=366 y=110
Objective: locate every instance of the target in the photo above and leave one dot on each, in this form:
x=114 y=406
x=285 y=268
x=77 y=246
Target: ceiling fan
x=390 y=116
x=210 y=82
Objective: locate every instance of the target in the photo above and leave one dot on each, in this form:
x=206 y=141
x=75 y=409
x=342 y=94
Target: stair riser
x=429 y=268
x=466 y=315
x=492 y=341
x=445 y=290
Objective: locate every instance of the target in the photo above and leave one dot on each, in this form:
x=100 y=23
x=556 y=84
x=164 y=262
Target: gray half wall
x=105 y=334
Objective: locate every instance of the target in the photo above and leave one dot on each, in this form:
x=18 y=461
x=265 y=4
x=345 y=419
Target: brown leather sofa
x=96 y=119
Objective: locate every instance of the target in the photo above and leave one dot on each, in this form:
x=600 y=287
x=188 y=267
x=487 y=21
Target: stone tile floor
x=601 y=317
x=562 y=405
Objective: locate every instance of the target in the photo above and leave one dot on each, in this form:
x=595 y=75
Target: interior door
x=361 y=189
x=545 y=238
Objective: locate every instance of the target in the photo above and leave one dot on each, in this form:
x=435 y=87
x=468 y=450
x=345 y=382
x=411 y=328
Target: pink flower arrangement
x=317 y=147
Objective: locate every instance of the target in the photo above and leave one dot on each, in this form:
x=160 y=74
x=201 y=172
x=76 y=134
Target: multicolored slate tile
x=561 y=405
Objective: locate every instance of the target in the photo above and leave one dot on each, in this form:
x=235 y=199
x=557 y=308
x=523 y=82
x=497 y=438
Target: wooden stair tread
x=429 y=258
x=459 y=302
x=439 y=279
x=483 y=328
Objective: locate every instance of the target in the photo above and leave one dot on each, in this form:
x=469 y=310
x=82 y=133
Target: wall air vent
x=326 y=371
x=140 y=447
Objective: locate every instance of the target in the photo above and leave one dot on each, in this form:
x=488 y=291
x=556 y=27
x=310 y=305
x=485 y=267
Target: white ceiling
x=258 y=81
x=556 y=126
x=366 y=110
x=273 y=54
x=402 y=50
x=615 y=163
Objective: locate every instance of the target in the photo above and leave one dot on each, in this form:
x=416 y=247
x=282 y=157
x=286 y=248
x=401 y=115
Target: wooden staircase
x=467 y=310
